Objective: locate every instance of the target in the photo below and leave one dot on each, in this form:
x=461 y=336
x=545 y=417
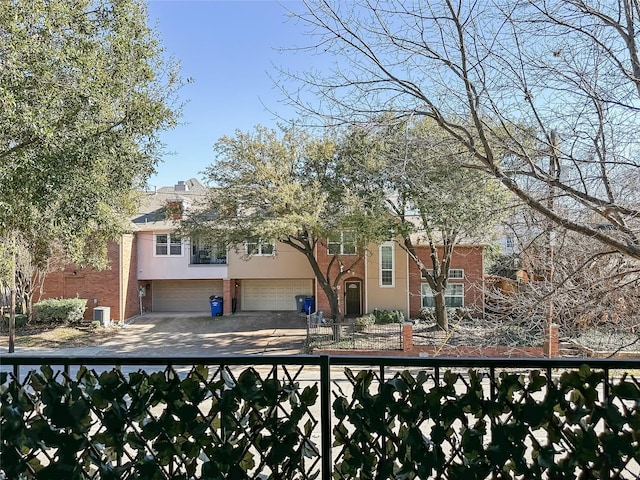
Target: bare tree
x=544 y=94
x=592 y=289
x=415 y=176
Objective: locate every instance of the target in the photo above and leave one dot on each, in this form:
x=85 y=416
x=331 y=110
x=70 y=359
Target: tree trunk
x=441 y=310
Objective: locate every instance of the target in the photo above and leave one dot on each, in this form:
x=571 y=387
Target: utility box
x=102 y=315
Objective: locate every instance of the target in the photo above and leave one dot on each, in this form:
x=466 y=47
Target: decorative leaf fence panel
x=307 y=417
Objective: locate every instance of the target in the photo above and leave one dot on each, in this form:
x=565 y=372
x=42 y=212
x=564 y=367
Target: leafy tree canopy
x=283 y=185
x=84 y=92
x=289 y=186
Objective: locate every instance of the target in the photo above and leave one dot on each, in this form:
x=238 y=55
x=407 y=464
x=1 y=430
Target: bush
x=21 y=319
x=365 y=321
x=70 y=310
x=385 y=316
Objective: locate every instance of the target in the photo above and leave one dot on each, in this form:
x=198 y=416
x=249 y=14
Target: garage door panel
x=184 y=295
x=274 y=294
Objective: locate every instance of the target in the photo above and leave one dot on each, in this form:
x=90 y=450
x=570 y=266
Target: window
x=456 y=273
x=168 y=245
x=344 y=244
x=256 y=246
x=386 y=265
x=453 y=295
x=207 y=253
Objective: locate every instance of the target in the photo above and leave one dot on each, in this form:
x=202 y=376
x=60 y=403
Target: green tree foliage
x=285 y=186
x=84 y=92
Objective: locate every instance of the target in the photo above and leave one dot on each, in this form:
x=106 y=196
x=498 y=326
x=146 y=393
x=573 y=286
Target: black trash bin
x=216 y=306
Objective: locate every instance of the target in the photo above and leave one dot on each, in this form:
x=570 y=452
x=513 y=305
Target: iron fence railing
x=347 y=335
x=323 y=417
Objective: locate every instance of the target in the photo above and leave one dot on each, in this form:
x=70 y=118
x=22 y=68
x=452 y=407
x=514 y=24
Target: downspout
x=408 y=284
x=483 y=292
x=120 y=280
x=365 y=281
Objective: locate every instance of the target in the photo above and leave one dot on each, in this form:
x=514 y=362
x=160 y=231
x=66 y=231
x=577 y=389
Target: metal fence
x=347 y=335
x=323 y=417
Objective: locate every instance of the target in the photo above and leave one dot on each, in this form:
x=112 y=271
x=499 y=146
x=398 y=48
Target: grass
x=63 y=336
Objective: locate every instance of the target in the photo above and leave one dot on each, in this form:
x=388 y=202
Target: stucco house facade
x=153 y=270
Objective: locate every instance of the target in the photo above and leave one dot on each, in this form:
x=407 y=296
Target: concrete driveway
x=175 y=334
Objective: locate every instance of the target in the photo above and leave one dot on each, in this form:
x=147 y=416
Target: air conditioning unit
x=102 y=315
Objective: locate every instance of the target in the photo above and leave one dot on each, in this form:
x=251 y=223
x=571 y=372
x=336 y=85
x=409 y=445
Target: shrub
x=69 y=310
x=21 y=319
x=385 y=316
x=365 y=321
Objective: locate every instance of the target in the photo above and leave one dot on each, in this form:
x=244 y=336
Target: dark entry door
x=352 y=298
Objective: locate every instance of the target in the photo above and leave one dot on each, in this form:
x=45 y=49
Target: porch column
x=227 y=296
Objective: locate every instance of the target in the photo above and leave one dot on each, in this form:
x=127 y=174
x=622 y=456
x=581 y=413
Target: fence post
x=325 y=416
x=551 y=347
x=407 y=337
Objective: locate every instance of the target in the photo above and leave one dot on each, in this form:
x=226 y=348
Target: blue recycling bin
x=216 y=306
x=309 y=305
x=300 y=303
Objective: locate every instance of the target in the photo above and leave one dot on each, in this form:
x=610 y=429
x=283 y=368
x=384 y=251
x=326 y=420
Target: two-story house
x=154 y=270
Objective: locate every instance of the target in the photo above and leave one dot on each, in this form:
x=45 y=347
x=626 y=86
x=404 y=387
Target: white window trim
x=168 y=254
x=425 y=289
x=393 y=265
x=450 y=276
x=341 y=243
x=259 y=243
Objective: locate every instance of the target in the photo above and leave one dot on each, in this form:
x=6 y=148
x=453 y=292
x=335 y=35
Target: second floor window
x=257 y=246
x=343 y=244
x=168 y=245
x=457 y=273
x=386 y=265
x=207 y=253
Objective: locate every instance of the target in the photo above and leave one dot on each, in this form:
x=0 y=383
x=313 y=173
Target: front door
x=352 y=299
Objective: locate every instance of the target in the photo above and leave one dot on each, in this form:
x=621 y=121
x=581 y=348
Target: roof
x=152 y=212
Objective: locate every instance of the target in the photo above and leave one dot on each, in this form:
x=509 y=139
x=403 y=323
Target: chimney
x=181 y=186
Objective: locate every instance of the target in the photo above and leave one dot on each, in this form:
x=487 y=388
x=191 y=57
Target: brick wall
x=130 y=276
x=468 y=258
x=101 y=288
x=352 y=264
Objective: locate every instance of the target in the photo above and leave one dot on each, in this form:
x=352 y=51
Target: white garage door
x=184 y=295
x=274 y=294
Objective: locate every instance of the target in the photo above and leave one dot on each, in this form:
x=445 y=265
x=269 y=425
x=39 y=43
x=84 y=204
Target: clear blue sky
x=229 y=49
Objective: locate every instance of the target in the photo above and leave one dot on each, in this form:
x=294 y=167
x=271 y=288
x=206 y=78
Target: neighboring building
x=115 y=287
x=387 y=279
x=152 y=269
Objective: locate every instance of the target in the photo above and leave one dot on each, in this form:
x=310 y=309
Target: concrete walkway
x=176 y=334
